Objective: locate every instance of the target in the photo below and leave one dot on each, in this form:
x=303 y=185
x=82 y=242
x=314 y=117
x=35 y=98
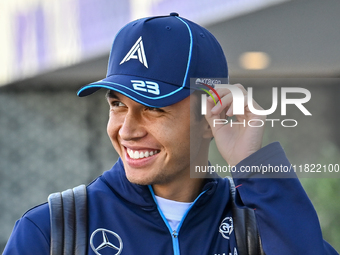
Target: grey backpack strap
x=246 y=233
x=68 y=217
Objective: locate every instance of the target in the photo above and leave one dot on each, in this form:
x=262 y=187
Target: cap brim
x=147 y=92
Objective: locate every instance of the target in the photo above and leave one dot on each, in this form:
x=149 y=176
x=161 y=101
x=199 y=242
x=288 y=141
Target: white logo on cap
x=139 y=48
x=147 y=86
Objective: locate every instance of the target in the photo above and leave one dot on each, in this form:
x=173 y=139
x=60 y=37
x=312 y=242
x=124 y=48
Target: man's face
x=154 y=143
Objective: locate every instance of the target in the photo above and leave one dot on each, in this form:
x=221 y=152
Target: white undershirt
x=173 y=211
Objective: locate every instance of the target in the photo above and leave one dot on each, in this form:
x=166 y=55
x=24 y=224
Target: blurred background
x=50 y=140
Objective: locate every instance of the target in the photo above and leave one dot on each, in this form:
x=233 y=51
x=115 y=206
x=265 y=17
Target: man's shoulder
x=31 y=233
x=39 y=213
x=34 y=222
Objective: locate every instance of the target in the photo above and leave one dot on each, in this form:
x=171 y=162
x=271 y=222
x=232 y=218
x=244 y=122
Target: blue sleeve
x=30 y=234
x=286 y=218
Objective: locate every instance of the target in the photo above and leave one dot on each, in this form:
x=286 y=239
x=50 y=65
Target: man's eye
x=117 y=104
x=155 y=109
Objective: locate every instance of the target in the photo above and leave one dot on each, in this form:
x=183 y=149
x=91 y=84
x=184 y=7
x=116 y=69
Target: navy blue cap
x=152 y=60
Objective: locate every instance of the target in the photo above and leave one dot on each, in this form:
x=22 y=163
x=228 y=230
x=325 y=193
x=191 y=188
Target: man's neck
x=184 y=191
x=184 y=188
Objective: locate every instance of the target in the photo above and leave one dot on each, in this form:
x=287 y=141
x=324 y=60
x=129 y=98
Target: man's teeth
x=140 y=154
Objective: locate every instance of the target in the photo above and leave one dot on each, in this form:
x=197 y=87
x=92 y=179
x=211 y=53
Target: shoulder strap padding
x=68 y=217
x=245 y=227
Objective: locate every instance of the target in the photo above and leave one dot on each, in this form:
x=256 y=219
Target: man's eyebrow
x=110 y=94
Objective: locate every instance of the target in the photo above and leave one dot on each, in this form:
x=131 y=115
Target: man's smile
x=139 y=154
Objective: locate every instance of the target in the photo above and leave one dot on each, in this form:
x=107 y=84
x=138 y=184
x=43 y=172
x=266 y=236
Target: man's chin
x=146 y=179
x=139 y=180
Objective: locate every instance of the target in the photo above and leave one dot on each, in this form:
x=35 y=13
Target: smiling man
x=147 y=203
x=153 y=145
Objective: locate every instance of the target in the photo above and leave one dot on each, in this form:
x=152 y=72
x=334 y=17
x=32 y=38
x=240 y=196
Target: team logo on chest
x=226 y=227
x=102 y=240
x=138 y=48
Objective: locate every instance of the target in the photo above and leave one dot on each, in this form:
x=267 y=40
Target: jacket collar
x=140 y=194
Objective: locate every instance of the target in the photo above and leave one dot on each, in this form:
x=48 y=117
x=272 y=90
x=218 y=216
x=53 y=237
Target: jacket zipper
x=174 y=233
x=175 y=243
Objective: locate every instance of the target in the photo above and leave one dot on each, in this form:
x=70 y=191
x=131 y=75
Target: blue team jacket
x=125 y=219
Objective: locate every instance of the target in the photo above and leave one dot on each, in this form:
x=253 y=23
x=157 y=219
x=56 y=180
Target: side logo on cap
x=139 y=49
x=198 y=81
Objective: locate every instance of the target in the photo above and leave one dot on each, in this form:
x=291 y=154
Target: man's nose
x=133 y=127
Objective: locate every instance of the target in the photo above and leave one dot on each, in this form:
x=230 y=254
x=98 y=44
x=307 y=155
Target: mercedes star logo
x=107 y=238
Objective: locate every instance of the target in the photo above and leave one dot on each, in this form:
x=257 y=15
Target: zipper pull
x=174 y=234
